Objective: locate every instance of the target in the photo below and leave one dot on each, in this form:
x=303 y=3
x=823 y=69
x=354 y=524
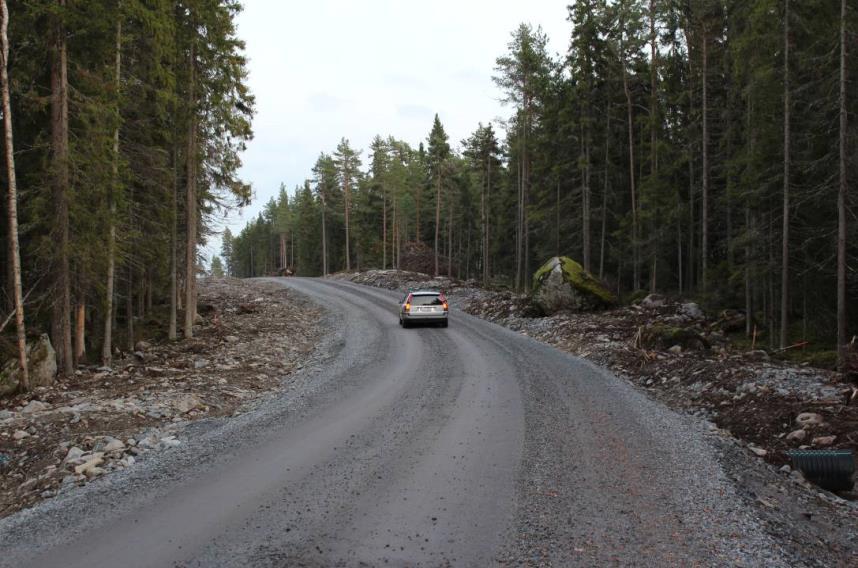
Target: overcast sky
x=326 y=69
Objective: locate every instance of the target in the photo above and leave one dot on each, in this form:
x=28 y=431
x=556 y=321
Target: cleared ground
x=467 y=446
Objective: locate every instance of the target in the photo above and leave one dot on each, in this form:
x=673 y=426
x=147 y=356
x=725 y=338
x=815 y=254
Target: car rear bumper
x=428 y=318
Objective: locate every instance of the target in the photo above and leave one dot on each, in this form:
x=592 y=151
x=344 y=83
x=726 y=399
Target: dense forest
x=129 y=117
x=696 y=147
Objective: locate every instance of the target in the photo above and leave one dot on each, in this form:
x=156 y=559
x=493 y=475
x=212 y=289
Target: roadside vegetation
x=128 y=118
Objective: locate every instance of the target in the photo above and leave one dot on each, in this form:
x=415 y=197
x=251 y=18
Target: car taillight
x=445 y=306
x=407 y=307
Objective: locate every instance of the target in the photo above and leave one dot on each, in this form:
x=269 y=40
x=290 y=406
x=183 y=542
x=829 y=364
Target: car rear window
x=426 y=300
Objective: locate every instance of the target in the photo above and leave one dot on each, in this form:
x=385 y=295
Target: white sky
x=326 y=69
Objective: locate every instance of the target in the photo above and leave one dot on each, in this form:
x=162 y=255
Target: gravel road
x=466 y=446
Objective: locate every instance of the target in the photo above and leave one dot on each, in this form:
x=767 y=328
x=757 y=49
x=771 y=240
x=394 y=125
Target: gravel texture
x=467 y=446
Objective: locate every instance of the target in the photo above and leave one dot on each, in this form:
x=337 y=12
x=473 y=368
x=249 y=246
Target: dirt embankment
x=251 y=336
x=682 y=356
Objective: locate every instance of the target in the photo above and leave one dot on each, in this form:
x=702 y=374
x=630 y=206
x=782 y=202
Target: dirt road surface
x=466 y=446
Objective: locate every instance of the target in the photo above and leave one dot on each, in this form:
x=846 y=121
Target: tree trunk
x=61 y=316
x=12 y=209
x=172 y=333
x=784 y=335
x=348 y=195
x=129 y=308
x=437 y=215
x=483 y=244
x=585 y=199
x=80 y=332
x=704 y=205
x=324 y=239
x=450 y=239
x=384 y=228
x=841 y=204
x=107 y=344
x=635 y=259
x=653 y=135
x=487 y=268
x=394 y=239
x=191 y=202
x=605 y=193
x=417 y=193
x=518 y=226
x=749 y=294
x=525 y=193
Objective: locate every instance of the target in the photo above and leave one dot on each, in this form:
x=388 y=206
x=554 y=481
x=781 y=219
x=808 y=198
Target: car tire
x=405 y=324
x=445 y=323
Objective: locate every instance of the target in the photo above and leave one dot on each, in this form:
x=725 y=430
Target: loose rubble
x=251 y=336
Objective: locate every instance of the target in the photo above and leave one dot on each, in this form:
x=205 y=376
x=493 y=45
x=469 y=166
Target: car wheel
x=445 y=323
x=405 y=324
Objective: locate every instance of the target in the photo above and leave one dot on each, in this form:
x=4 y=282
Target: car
x=424 y=306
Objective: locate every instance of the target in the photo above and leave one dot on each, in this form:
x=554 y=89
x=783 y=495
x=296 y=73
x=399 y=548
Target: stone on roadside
x=231 y=339
x=653 y=301
x=823 y=440
x=93 y=463
x=20 y=435
x=35 y=406
x=676 y=349
x=74 y=455
x=691 y=310
x=169 y=442
x=187 y=403
x=808 y=419
x=758 y=451
x=142 y=346
x=112 y=445
x=797 y=436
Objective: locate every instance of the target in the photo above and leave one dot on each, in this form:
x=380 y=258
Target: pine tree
x=12 y=201
x=437 y=156
x=347 y=162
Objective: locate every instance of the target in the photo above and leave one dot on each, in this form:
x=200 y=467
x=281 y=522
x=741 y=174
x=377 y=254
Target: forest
x=124 y=123
x=702 y=148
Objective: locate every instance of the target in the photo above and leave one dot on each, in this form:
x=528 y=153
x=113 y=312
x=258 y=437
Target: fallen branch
x=793 y=346
x=12 y=313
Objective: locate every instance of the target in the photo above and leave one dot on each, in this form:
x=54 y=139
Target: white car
x=424 y=306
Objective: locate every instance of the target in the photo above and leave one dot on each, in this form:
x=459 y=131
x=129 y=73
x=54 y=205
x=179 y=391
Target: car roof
x=426 y=293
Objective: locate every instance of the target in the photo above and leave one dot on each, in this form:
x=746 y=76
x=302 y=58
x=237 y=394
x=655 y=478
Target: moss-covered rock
x=563 y=284
x=663 y=337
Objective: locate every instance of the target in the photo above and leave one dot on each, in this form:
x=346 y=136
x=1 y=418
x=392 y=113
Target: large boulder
x=42 y=365
x=563 y=284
